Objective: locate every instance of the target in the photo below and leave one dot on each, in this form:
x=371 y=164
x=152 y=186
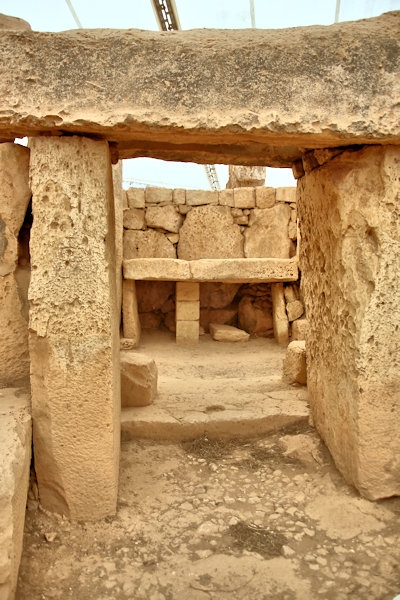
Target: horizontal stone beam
x=230 y=270
x=244 y=97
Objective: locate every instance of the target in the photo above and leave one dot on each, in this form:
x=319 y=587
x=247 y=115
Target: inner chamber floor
x=217 y=389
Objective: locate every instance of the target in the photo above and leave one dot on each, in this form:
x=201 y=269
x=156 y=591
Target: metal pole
x=337 y=11
x=73 y=13
x=252 y=14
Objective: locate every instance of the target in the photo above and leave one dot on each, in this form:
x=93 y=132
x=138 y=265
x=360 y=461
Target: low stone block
x=265 y=197
x=164 y=217
x=244 y=176
x=244 y=197
x=15 y=453
x=134 y=218
x=179 y=196
x=188 y=311
x=187 y=291
x=286 y=194
x=163 y=269
x=138 y=379
x=279 y=317
x=225 y=198
x=135 y=197
x=299 y=329
x=227 y=333
x=156 y=195
x=294 y=310
x=147 y=244
x=187 y=332
x=294 y=364
x=200 y=197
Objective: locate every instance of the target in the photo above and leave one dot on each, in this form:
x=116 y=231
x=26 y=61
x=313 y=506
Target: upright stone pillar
x=350 y=227
x=14 y=199
x=74 y=337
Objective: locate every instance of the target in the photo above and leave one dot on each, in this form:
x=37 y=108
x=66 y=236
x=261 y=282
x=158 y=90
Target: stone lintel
x=105 y=90
x=230 y=270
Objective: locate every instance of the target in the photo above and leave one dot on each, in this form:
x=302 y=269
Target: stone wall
x=193 y=224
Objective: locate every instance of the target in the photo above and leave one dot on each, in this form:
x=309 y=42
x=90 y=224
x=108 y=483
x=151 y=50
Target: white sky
x=54 y=15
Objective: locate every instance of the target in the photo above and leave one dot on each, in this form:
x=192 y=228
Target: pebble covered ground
x=260 y=519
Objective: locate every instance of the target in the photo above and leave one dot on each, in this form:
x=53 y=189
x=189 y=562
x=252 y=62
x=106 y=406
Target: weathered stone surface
x=294 y=364
x=280 y=77
x=118 y=219
x=294 y=310
x=244 y=197
x=242 y=176
x=135 y=197
x=179 y=196
x=267 y=235
x=217 y=315
x=187 y=291
x=164 y=217
x=74 y=327
x=299 y=329
x=255 y=316
x=225 y=198
x=222 y=240
x=188 y=311
x=265 y=197
x=217 y=294
x=147 y=244
x=14 y=198
x=201 y=197
x=349 y=255
x=291 y=293
x=286 y=194
x=187 y=332
x=227 y=333
x=280 y=320
x=166 y=269
x=134 y=218
x=130 y=315
x=138 y=379
x=156 y=195
x=15 y=460
x=14 y=23
x=152 y=295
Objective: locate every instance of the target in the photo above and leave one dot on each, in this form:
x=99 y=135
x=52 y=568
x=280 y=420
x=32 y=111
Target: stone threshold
x=230 y=270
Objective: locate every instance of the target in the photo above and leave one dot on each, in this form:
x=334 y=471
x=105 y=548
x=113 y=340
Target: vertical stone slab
x=130 y=314
x=74 y=337
x=279 y=316
x=187 y=312
x=350 y=225
x=119 y=228
x=14 y=198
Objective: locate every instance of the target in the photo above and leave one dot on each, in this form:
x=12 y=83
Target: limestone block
x=244 y=197
x=156 y=195
x=164 y=217
x=130 y=316
x=138 y=379
x=245 y=270
x=286 y=194
x=147 y=244
x=294 y=364
x=135 y=197
x=265 y=197
x=188 y=311
x=299 y=329
x=217 y=294
x=184 y=209
x=279 y=317
x=134 y=218
x=14 y=198
x=124 y=200
x=15 y=460
x=298 y=169
x=173 y=237
x=225 y=198
x=187 y=291
x=187 y=332
x=118 y=193
x=179 y=196
x=74 y=327
x=292 y=230
x=291 y=293
x=294 y=310
x=226 y=333
x=164 y=269
x=209 y=232
x=14 y=23
x=226 y=315
x=350 y=278
x=255 y=316
x=267 y=234
x=200 y=197
x=243 y=176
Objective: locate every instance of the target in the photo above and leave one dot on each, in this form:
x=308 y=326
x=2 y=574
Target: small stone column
x=74 y=336
x=187 y=312
x=350 y=231
x=14 y=199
